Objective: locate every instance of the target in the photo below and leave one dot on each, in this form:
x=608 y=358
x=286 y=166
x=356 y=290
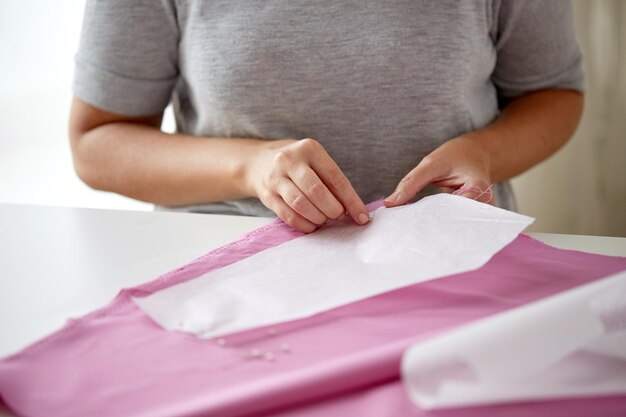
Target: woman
x=397 y=95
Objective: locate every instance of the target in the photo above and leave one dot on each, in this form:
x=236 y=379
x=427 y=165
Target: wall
x=37 y=44
x=582 y=190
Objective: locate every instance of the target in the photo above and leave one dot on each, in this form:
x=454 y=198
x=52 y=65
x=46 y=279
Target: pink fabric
x=117 y=362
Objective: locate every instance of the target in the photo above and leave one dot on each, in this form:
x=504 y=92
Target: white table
x=58 y=263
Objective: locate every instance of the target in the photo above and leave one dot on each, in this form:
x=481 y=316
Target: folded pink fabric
x=117 y=362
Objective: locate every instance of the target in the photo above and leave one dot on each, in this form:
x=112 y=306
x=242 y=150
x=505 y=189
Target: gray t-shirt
x=379 y=83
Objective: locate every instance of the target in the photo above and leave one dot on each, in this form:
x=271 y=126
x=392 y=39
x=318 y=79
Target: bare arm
x=131 y=156
x=530 y=129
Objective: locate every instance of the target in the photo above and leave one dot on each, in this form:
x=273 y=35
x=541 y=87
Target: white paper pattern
x=338 y=264
x=570 y=344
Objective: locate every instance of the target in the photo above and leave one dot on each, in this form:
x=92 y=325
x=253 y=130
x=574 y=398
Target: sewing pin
x=255 y=353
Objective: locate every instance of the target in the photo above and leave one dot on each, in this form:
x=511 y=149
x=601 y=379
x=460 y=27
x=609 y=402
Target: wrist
x=259 y=155
x=481 y=149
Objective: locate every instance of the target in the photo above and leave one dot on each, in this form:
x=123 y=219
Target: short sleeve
x=536 y=47
x=127 y=57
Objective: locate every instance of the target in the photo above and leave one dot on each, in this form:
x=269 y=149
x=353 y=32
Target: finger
x=299 y=202
x=289 y=216
x=486 y=195
x=483 y=194
x=419 y=177
x=481 y=197
x=316 y=191
x=339 y=185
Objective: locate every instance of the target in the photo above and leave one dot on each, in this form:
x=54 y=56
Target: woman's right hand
x=301 y=183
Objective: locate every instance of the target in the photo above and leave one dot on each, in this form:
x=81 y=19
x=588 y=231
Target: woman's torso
x=379 y=84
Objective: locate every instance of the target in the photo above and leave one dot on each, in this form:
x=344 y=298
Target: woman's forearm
x=530 y=129
x=141 y=162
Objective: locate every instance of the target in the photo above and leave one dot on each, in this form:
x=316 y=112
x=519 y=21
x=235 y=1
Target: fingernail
x=364 y=218
x=392 y=198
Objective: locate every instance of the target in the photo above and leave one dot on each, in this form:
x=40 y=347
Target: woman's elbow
x=85 y=163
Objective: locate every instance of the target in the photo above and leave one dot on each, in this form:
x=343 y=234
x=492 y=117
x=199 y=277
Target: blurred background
x=581 y=190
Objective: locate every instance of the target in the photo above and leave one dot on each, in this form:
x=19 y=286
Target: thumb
x=419 y=177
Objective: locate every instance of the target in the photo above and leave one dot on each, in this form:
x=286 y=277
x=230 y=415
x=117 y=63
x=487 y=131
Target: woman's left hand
x=461 y=165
